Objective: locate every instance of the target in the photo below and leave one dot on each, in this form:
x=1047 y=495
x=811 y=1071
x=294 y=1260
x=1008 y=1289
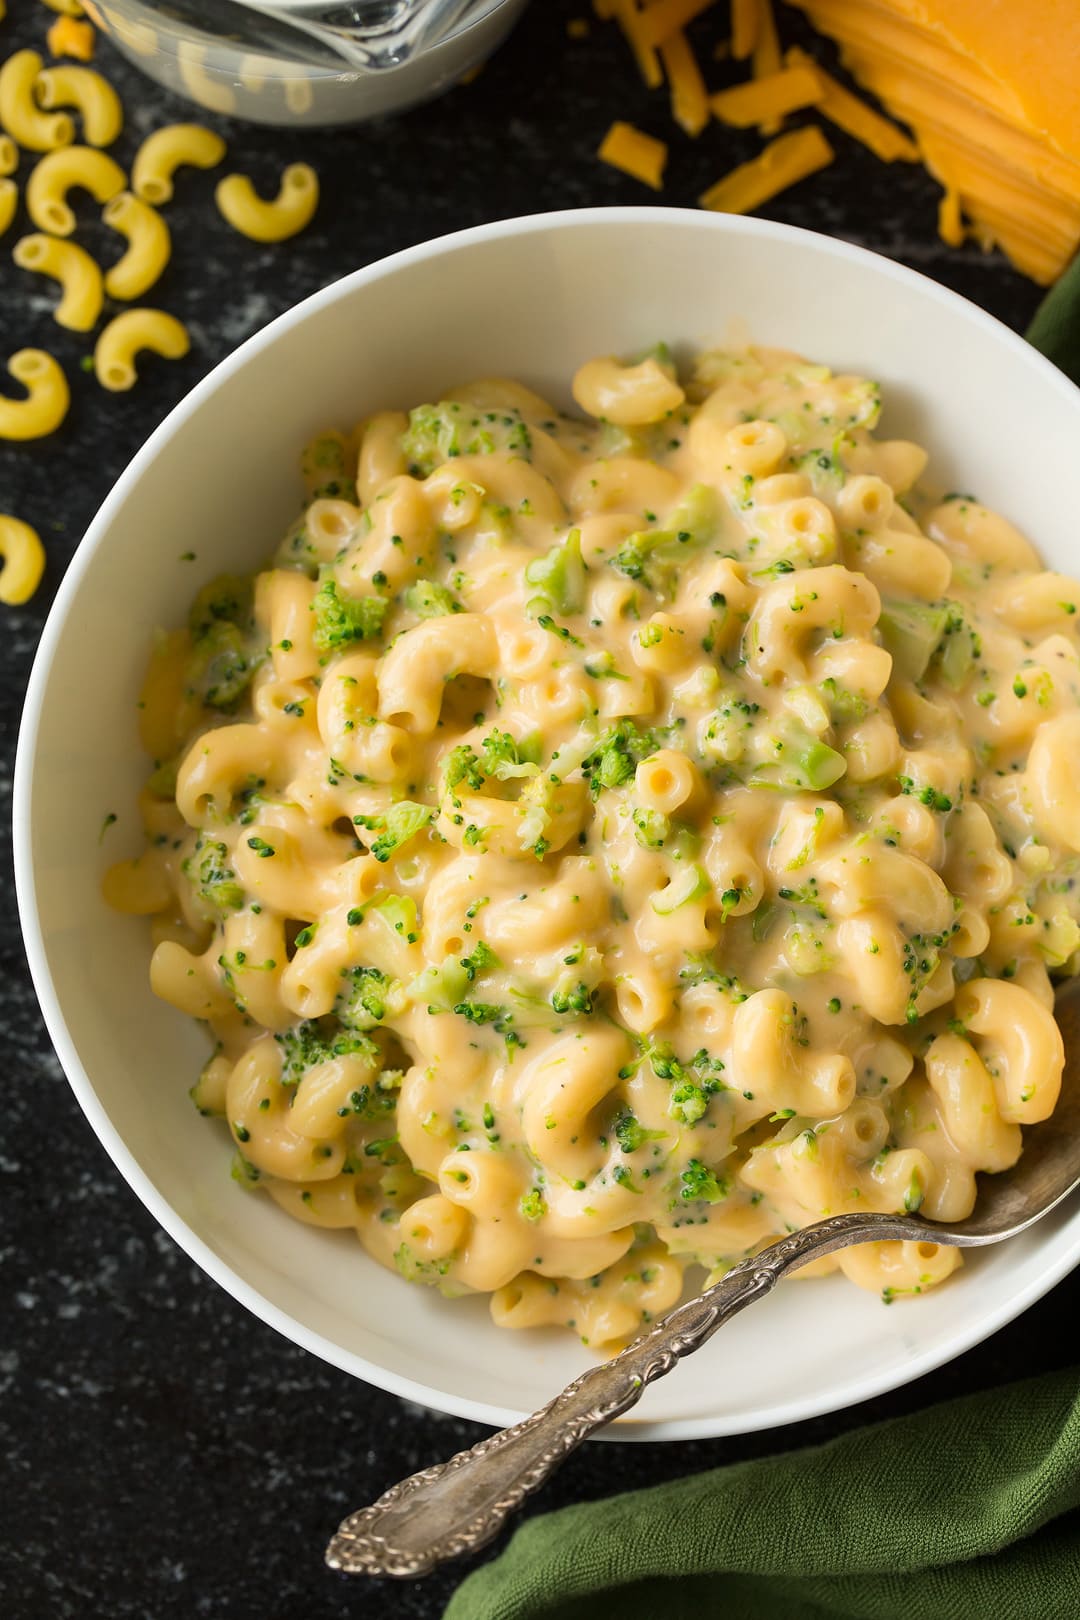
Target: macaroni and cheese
x=599 y=846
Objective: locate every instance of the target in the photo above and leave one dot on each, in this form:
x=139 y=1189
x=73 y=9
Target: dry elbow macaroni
x=23 y=558
x=59 y=172
x=20 y=114
x=47 y=396
x=168 y=149
x=77 y=273
x=93 y=97
x=149 y=246
x=126 y=335
x=598 y=847
x=275 y=221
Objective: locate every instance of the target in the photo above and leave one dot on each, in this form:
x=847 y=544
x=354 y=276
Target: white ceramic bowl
x=530 y=298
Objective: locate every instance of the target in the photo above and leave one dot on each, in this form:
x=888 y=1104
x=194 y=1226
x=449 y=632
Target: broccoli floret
x=479 y=960
x=650 y=554
x=217 y=882
x=439 y=433
x=342 y=620
x=631 y=1135
x=401 y=823
x=559 y=576
x=613 y=761
x=317 y=1041
x=462 y=765
x=481 y=1012
x=533 y=1204
x=504 y=758
x=363 y=1003
x=579 y=999
x=429 y=600
x=700 y=1185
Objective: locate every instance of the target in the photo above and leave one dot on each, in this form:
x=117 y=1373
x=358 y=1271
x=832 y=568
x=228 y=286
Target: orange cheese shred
x=635 y=153
x=661 y=18
x=628 y=17
x=765 y=59
x=67 y=36
x=767 y=98
x=854 y=117
x=783 y=163
x=991 y=92
x=950 y=222
x=689 y=98
x=744 y=28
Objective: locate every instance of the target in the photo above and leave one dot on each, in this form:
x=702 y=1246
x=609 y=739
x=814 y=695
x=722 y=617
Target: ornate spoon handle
x=457 y=1506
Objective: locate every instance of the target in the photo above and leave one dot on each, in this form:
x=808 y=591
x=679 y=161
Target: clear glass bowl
x=313 y=62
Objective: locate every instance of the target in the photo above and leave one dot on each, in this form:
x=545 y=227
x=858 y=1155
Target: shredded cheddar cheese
x=783 y=162
x=854 y=117
x=67 y=36
x=627 y=15
x=745 y=15
x=767 y=98
x=635 y=153
x=992 y=94
x=689 y=98
x=950 y=219
x=765 y=59
x=661 y=19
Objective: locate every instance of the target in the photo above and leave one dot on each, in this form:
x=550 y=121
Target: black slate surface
x=165 y=1454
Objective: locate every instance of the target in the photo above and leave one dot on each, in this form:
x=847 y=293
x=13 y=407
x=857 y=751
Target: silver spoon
x=457 y=1506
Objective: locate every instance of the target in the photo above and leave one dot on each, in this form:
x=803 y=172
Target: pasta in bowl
x=215 y=489
x=601 y=843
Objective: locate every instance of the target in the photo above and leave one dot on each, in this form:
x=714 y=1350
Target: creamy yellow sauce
x=601 y=846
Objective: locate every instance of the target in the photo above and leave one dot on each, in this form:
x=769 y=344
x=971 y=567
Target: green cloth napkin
x=957 y=1513
x=954 y=1514
x=1056 y=327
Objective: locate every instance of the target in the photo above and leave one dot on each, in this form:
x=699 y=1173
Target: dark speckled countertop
x=164 y=1453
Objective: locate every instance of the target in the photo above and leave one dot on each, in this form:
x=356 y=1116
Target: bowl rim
x=869 y=1384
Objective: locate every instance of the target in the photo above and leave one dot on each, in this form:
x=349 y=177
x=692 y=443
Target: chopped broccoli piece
x=429 y=600
x=316 y=1041
x=631 y=1135
x=533 y=1204
x=401 y=823
x=616 y=756
x=911 y=632
x=801 y=764
x=649 y=554
x=481 y=1012
x=700 y=1185
x=579 y=999
x=342 y=620
x=439 y=433
x=479 y=960
x=228 y=599
x=363 y=1003
x=217 y=883
x=462 y=765
x=560 y=574
x=504 y=758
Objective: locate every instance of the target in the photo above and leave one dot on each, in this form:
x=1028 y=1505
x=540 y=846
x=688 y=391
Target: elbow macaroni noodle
x=22 y=118
x=93 y=97
x=126 y=334
x=47 y=396
x=167 y=150
x=149 y=246
x=599 y=847
x=58 y=173
x=77 y=273
x=286 y=215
